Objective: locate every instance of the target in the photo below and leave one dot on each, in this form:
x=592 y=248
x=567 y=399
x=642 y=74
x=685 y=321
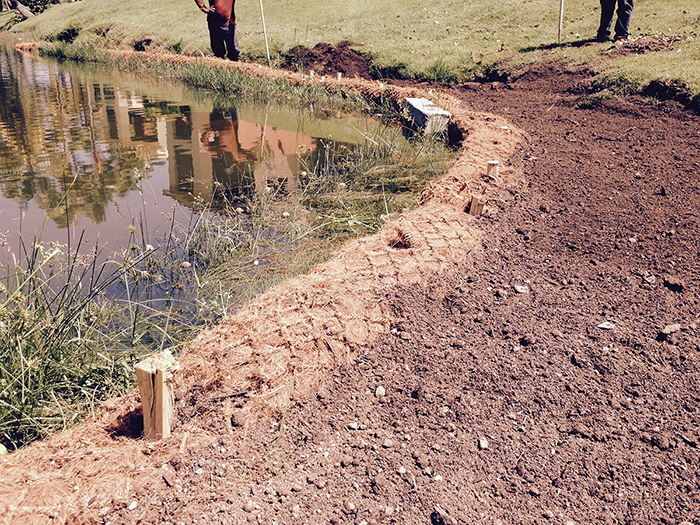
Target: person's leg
x=624 y=13
x=216 y=39
x=231 y=38
x=607 y=10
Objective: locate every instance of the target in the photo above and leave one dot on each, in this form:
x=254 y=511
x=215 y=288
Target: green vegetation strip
x=448 y=41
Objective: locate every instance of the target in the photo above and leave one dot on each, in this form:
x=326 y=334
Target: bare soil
x=327 y=59
x=535 y=364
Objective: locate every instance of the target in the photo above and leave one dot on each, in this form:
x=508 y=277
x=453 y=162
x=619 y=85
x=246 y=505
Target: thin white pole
x=267 y=48
x=561 y=17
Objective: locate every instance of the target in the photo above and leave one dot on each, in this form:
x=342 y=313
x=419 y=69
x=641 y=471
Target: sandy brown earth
x=536 y=364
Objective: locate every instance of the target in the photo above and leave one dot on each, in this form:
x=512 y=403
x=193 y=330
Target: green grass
x=433 y=41
x=54 y=360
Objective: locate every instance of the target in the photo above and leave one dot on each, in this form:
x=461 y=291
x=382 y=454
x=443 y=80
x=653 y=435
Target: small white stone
x=402 y=470
x=670 y=329
x=132 y=505
x=380 y=392
x=483 y=444
x=438 y=478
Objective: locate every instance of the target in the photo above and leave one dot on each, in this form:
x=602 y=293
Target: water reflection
x=240 y=155
x=98 y=150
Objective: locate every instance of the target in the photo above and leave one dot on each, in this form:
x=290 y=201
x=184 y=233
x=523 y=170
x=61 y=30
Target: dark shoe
x=602 y=38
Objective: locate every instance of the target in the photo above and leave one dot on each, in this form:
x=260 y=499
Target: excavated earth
x=534 y=364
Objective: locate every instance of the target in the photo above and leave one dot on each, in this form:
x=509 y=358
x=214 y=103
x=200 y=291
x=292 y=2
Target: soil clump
x=327 y=59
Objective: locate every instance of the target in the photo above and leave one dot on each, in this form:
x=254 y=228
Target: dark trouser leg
x=624 y=13
x=216 y=39
x=231 y=38
x=607 y=10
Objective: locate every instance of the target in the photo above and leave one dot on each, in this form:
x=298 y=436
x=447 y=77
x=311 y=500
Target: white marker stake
x=561 y=18
x=267 y=48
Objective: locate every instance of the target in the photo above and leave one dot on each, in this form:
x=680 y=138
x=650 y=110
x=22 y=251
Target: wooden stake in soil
x=154 y=376
x=477 y=205
x=492 y=169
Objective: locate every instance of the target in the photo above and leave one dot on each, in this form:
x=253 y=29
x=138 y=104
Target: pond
x=90 y=153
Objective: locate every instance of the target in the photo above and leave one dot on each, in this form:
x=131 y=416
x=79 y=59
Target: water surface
x=92 y=152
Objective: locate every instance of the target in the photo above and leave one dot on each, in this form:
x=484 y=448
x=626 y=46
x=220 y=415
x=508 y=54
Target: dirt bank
x=535 y=364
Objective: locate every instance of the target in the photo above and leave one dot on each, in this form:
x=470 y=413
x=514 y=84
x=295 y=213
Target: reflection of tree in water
x=85 y=195
x=69 y=141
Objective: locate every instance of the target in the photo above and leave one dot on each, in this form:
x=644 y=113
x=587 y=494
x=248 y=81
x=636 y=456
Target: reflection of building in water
x=242 y=156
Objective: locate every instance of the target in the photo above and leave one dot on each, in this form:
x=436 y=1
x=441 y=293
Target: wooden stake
x=492 y=169
x=154 y=376
x=477 y=205
x=21 y=9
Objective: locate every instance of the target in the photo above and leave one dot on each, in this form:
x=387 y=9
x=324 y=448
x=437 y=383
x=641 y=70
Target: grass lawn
x=441 y=40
